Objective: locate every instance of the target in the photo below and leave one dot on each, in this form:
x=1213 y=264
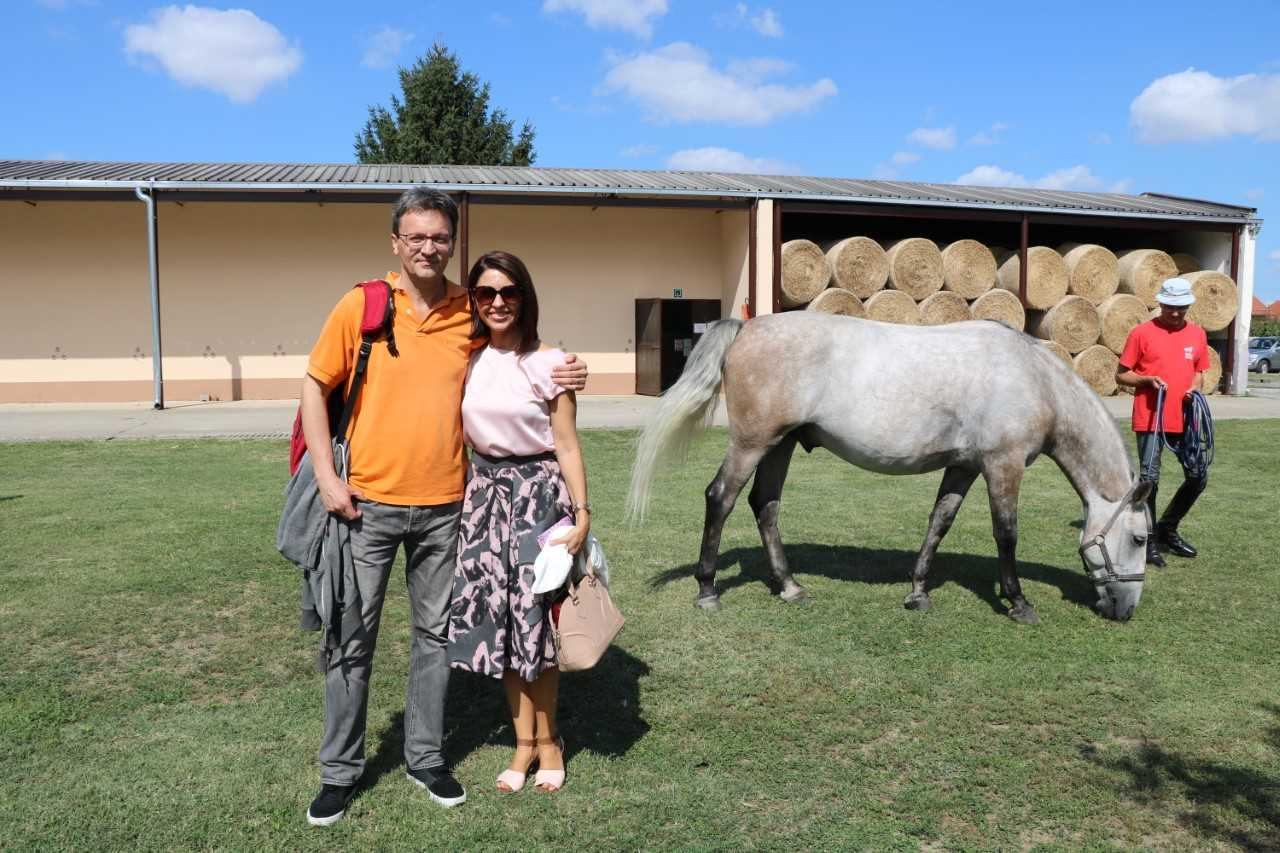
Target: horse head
x=1113 y=548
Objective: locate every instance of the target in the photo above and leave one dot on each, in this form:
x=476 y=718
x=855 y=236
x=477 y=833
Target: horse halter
x=1108 y=573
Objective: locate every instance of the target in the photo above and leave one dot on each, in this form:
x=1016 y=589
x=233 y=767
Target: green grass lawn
x=156 y=694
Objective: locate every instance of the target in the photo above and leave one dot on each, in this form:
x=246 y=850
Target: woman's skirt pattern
x=496 y=622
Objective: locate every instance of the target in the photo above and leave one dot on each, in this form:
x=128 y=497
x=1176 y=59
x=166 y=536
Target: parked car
x=1264 y=354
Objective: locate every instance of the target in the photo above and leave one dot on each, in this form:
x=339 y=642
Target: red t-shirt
x=1176 y=357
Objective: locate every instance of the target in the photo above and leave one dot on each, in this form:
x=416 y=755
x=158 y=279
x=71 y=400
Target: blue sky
x=1175 y=97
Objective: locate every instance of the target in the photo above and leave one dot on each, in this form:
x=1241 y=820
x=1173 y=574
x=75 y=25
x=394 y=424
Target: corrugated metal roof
x=50 y=174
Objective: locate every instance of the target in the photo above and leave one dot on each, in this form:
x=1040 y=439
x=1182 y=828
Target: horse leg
x=721 y=495
x=1003 y=483
x=765 y=500
x=955 y=485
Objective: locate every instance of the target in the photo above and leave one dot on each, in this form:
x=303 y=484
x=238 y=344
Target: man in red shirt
x=1169 y=353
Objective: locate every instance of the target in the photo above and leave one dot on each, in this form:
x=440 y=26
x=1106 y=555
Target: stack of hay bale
x=1082 y=300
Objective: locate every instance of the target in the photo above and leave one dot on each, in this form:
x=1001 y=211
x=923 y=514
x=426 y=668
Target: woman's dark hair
x=526 y=314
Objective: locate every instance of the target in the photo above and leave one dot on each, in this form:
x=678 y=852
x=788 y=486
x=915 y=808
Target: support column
x=762 y=286
x=153 y=254
x=1243 y=264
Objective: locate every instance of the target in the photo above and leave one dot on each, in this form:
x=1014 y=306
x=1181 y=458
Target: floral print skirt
x=496 y=622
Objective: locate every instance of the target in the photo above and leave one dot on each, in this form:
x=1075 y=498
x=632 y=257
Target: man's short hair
x=418 y=199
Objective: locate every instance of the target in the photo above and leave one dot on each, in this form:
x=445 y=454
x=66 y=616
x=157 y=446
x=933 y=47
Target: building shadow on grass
x=978 y=574
x=1229 y=803
x=599 y=712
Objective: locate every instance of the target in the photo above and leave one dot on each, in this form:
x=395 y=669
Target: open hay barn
x=630 y=265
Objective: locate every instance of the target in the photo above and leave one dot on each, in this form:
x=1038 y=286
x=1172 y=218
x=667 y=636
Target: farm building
x=228 y=270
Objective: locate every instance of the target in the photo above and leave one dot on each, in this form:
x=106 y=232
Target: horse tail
x=685 y=408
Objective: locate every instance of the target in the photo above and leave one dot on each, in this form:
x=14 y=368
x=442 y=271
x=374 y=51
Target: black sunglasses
x=486 y=295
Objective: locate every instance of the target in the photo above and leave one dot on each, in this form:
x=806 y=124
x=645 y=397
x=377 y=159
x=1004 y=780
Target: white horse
x=970 y=398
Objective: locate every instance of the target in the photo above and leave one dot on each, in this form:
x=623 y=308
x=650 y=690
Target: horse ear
x=1141 y=493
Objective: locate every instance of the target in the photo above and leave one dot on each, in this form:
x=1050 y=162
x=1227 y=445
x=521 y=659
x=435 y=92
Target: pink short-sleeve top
x=506 y=405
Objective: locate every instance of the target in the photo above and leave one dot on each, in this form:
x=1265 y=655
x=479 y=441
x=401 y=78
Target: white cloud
x=639 y=150
x=1100 y=137
x=1274 y=255
x=1255 y=193
x=499 y=19
x=764 y=21
x=904 y=158
x=1193 y=106
x=233 y=52
x=991 y=136
x=677 y=83
x=1076 y=178
x=713 y=159
x=939 y=138
x=382 y=48
x=631 y=16
x=991 y=176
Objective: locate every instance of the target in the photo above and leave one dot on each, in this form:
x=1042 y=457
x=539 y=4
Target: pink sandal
x=549 y=781
x=513 y=780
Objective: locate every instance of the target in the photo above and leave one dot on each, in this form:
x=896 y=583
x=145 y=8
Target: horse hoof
x=918 y=601
x=709 y=603
x=795 y=595
x=1024 y=614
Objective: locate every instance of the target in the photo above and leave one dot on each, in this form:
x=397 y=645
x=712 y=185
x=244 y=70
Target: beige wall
x=590 y=266
x=245 y=286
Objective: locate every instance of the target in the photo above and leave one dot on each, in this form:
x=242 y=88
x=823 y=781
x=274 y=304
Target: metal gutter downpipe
x=148 y=196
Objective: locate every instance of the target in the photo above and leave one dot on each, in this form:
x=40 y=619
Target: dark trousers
x=1149 y=452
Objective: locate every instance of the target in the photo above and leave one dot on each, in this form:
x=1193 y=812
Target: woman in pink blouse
x=526 y=475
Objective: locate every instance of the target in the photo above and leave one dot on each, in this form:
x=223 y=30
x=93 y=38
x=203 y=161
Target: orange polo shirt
x=406 y=429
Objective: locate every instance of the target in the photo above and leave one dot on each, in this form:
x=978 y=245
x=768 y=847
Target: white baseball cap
x=1175 y=292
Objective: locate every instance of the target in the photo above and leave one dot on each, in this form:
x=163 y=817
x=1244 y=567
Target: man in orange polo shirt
x=1169 y=353
x=404 y=489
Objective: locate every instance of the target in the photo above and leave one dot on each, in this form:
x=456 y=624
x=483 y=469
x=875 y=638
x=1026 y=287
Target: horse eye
x=1139 y=540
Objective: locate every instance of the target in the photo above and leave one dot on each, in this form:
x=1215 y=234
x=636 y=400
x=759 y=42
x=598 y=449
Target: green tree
x=444 y=118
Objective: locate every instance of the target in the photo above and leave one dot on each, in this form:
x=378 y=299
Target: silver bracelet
x=574 y=509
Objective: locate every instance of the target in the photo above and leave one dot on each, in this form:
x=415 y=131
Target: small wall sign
x=677 y=293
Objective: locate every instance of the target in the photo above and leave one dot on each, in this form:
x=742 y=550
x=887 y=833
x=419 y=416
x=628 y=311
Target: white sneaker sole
x=447 y=802
x=325 y=821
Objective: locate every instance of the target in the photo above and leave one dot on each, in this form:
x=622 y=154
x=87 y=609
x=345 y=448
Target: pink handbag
x=588 y=623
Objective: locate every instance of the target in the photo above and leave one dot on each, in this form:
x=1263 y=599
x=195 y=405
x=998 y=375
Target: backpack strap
x=377 y=321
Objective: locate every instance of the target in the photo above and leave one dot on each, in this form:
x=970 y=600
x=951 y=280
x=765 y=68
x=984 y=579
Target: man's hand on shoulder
x=572 y=375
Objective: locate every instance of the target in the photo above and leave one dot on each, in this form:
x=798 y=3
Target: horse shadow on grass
x=978 y=574
x=599 y=711
x=1230 y=803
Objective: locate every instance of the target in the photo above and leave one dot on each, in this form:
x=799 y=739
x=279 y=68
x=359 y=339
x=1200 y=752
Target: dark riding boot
x=1153 y=554
x=1169 y=537
x=1183 y=499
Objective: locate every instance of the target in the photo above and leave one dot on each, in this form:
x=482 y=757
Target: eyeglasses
x=486 y=295
x=417 y=241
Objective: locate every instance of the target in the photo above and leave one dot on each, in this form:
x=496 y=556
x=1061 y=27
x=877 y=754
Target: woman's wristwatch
x=574 y=509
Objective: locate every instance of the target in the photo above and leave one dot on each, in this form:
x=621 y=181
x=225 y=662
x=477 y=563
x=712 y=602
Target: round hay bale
x=1091 y=271
x=968 y=268
x=1142 y=271
x=892 y=306
x=999 y=305
x=944 y=307
x=1059 y=350
x=1216 y=300
x=1073 y=323
x=915 y=267
x=805 y=272
x=837 y=300
x=1046 y=277
x=858 y=264
x=1213 y=376
x=1097 y=365
x=1186 y=263
x=1118 y=315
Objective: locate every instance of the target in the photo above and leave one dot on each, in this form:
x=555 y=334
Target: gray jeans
x=429 y=535
x=1149 y=452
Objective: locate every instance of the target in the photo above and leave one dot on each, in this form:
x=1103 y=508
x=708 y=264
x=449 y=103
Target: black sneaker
x=330 y=804
x=440 y=785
